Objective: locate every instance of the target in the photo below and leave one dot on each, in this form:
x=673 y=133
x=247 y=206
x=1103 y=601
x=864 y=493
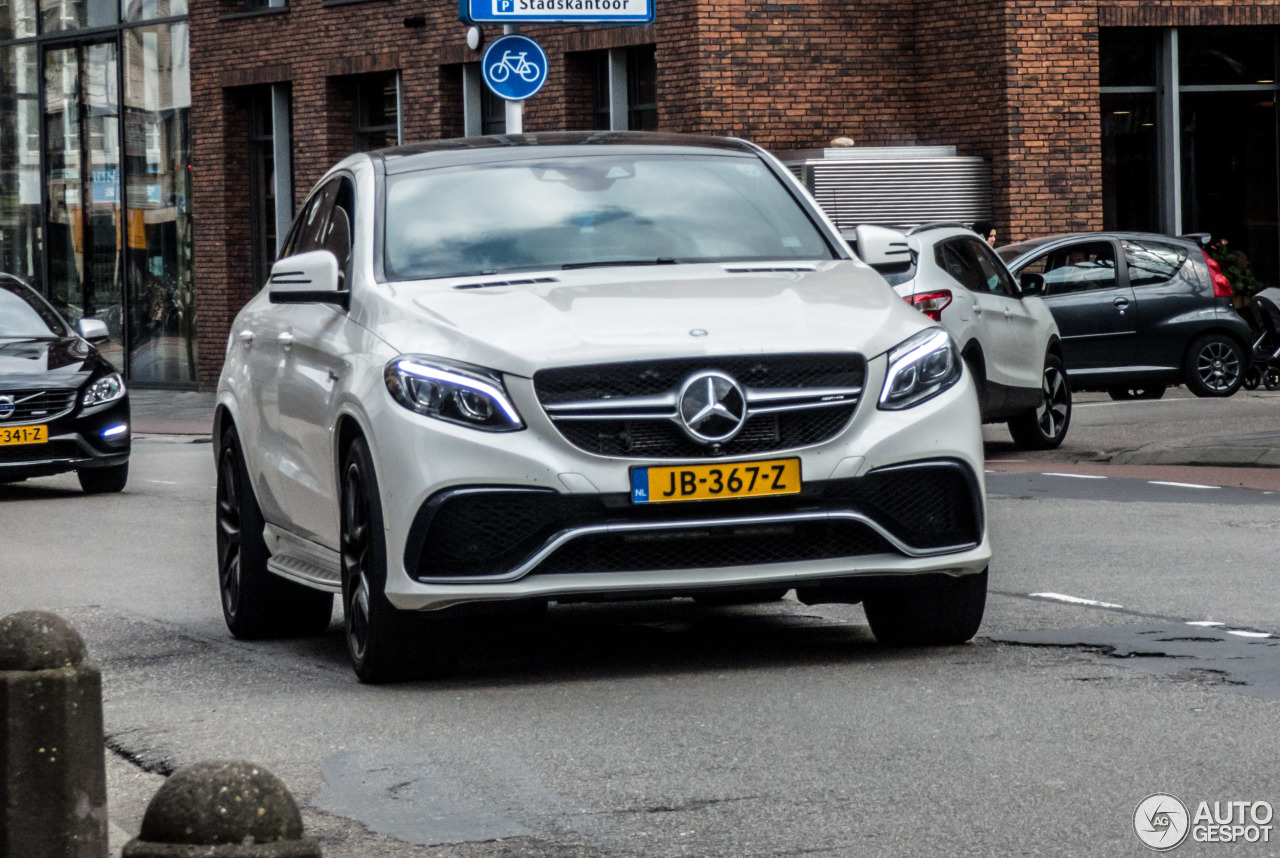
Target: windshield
x=24 y=314
x=592 y=210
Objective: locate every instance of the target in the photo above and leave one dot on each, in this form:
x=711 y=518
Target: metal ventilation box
x=896 y=187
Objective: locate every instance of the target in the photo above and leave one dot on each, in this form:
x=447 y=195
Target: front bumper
x=76 y=442
x=595 y=544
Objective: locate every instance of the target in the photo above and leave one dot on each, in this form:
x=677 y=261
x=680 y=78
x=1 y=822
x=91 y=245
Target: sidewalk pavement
x=184 y=412
x=1247 y=450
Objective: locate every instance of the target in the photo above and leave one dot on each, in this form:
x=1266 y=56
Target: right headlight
x=920 y=368
x=453 y=392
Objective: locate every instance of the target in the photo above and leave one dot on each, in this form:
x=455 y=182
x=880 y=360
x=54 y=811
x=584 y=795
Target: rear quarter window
x=1152 y=262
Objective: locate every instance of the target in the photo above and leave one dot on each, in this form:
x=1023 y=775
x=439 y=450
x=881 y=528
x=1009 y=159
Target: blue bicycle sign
x=514 y=67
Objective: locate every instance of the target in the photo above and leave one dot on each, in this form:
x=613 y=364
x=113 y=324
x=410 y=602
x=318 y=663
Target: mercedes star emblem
x=6 y=407
x=712 y=407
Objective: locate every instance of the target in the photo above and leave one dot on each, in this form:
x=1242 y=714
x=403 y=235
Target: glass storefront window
x=1129 y=56
x=158 y=230
x=20 y=164
x=149 y=10
x=18 y=19
x=1229 y=174
x=59 y=15
x=1216 y=56
x=1130 y=153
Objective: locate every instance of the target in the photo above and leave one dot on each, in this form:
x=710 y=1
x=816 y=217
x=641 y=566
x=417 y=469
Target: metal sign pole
x=515 y=109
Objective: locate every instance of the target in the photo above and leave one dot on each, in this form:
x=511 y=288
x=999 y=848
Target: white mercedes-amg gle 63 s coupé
x=498 y=372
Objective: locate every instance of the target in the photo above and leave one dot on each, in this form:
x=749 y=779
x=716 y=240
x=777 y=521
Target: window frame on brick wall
x=624 y=89
x=370 y=134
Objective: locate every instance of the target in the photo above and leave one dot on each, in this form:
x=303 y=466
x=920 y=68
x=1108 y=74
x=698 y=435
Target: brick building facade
x=1018 y=82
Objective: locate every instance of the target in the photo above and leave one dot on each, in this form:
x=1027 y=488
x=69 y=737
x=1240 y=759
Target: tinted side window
x=998 y=279
x=311 y=236
x=1076 y=268
x=953 y=258
x=1151 y=262
x=337 y=232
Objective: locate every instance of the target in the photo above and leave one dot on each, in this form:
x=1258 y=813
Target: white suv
x=497 y=372
x=1006 y=334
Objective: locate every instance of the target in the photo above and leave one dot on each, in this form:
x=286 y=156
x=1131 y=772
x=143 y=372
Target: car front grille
x=628 y=409
x=479 y=533
x=34 y=406
x=699 y=548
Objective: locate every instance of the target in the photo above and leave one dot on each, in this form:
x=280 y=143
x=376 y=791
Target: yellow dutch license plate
x=712 y=482
x=23 y=435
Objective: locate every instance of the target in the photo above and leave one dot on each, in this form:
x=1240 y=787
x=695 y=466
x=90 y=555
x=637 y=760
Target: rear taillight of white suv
x=1221 y=285
x=931 y=303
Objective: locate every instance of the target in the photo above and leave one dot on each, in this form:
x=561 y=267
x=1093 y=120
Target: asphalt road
x=665 y=729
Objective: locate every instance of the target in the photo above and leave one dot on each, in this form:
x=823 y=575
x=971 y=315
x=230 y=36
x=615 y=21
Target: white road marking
x=1249 y=634
x=1073 y=600
x=1205 y=623
x=1181 y=485
x=162 y=482
x=1077 y=476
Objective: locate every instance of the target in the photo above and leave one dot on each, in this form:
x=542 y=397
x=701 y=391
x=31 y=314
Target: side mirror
x=308 y=278
x=93 y=330
x=883 y=249
x=1031 y=283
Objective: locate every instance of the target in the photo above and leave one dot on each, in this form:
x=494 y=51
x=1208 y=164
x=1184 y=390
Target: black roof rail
x=940 y=224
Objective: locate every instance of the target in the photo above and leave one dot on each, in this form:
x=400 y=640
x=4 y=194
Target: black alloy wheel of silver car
x=384 y=644
x=1214 y=366
x=255 y=603
x=1045 y=426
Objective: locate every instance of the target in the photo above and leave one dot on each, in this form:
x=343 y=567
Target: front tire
x=1045 y=426
x=937 y=615
x=1214 y=366
x=384 y=644
x=101 y=481
x=255 y=603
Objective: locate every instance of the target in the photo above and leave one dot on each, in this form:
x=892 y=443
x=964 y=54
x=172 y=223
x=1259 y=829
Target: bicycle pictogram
x=514 y=62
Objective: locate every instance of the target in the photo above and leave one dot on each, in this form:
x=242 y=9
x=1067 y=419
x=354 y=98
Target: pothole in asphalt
x=1248 y=665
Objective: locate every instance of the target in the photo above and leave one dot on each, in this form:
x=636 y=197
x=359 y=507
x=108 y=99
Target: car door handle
x=1121 y=302
x=977 y=309
x=285 y=340
x=245 y=337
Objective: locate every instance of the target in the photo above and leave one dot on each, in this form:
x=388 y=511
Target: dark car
x=62 y=406
x=1138 y=312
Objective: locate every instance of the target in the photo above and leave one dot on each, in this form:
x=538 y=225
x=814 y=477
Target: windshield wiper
x=610 y=263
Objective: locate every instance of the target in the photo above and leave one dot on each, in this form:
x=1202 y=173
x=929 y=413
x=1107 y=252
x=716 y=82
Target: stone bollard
x=222 y=809
x=53 y=790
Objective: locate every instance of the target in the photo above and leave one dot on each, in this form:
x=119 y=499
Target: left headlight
x=109 y=388
x=458 y=393
x=920 y=368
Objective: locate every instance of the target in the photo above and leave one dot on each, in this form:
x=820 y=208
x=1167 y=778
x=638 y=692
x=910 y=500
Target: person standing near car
x=987 y=230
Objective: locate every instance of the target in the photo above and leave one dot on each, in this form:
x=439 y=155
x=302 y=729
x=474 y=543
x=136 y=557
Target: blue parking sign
x=514 y=67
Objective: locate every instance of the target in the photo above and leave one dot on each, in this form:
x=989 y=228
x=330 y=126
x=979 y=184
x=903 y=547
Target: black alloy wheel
x=1045 y=427
x=255 y=603
x=1214 y=366
x=384 y=644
